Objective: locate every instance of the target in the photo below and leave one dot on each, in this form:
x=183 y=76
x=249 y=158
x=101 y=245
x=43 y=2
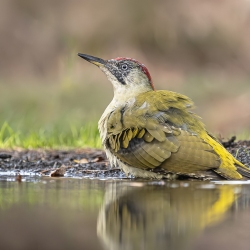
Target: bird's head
x=128 y=76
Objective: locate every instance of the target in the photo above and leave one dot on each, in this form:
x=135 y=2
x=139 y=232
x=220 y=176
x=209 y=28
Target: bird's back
x=157 y=131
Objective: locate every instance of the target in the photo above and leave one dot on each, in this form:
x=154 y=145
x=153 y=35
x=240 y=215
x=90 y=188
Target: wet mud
x=76 y=163
x=88 y=163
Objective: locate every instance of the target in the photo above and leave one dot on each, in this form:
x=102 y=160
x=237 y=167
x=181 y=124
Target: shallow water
x=69 y=213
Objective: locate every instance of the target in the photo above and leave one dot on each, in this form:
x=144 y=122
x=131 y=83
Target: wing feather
x=160 y=137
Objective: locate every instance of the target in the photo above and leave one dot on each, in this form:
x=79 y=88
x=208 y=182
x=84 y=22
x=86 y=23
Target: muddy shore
x=82 y=162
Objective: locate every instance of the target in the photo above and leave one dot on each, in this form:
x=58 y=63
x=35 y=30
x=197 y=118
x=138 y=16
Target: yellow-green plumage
x=158 y=130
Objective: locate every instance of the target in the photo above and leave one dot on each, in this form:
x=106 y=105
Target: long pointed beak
x=95 y=60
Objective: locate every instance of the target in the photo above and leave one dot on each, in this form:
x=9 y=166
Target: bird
x=154 y=134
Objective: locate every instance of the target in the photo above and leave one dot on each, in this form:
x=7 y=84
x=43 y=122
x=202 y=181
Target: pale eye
x=124 y=66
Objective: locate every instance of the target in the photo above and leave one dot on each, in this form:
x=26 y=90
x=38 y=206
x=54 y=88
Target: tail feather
x=226 y=171
x=244 y=172
x=242 y=169
x=230 y=168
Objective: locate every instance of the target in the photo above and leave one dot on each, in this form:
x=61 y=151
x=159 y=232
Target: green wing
x=158 y=130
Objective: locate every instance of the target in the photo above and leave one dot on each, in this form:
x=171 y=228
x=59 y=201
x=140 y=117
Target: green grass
x=244 y=135
x=50 y=116
x=84 y=136
x=64 y=114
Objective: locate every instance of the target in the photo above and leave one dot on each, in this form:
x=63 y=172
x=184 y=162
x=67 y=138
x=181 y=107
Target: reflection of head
x=151 y=217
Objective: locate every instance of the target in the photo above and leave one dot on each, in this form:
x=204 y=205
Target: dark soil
x=240 y=150
x=82 y=162
x=78 y=163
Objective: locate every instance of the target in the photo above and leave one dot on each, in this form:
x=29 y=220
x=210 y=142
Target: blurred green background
x=49 y=97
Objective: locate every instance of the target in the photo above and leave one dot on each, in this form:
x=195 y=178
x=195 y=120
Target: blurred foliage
x=36 y=36
x=198 y=48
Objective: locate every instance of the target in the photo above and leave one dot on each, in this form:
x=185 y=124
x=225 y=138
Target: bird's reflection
x=168 y=216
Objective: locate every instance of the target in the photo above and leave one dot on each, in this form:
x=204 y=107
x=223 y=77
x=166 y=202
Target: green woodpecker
x=153 y=134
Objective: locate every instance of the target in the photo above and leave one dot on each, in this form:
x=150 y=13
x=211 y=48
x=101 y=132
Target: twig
x=101 y=170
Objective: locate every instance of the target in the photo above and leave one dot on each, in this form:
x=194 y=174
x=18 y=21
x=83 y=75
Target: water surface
x=68 y=213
